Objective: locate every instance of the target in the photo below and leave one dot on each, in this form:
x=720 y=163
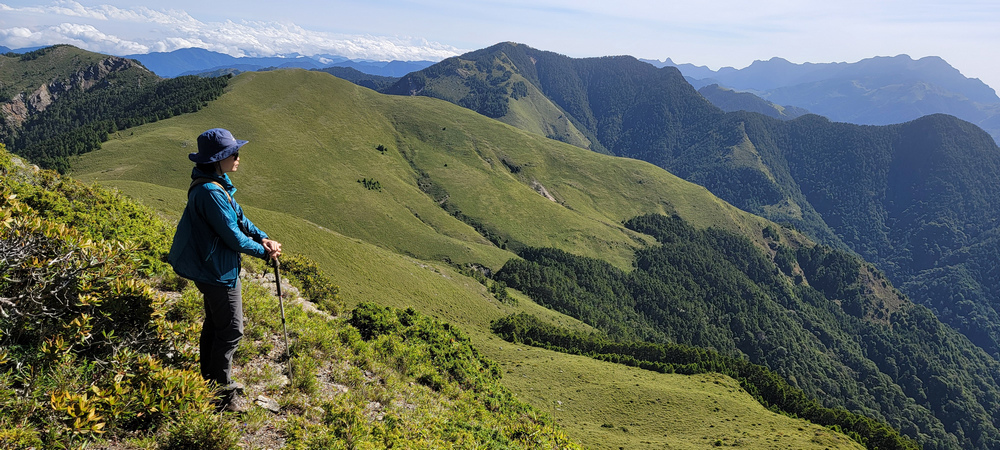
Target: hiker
x=211 y=235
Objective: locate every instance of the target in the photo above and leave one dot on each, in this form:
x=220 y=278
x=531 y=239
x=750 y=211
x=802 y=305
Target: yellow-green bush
x=84 y=339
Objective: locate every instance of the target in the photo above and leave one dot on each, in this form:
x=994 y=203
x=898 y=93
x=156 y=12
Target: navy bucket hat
x=215 y=145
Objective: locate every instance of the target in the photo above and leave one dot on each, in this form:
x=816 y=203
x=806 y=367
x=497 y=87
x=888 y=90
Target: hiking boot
x=237 y=404
x=232 y=400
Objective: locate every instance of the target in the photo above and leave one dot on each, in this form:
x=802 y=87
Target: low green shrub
x=201 y=431
x=316 y=286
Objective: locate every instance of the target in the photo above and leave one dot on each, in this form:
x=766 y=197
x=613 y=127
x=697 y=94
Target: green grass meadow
x=313 y=136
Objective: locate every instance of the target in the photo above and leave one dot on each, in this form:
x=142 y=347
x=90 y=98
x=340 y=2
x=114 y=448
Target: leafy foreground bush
x=85 y=350
x=92 y=355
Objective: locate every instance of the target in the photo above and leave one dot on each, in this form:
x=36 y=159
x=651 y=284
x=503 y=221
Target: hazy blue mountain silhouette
x=873 y=91
x=192 y=61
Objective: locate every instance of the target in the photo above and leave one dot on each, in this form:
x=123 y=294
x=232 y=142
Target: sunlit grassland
x=314 y=136
x=608 y=405
x=537 y=114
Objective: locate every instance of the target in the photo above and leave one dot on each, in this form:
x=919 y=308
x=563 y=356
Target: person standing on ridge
x=211 y=235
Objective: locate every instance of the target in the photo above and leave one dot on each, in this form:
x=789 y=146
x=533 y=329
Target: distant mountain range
x=195 y=61
x=873 y=91
x=4 y=49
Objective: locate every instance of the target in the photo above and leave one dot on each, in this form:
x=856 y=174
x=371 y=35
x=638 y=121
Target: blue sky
x=715 y=33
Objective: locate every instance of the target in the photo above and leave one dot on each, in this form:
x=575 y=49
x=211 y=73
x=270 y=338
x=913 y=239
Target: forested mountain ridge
x=33 y=81
x=627 y=108
x=458 y=188
x=61 y=101
x=918 y=199
x=373 y=82
x=729 y=100
x=846 y=185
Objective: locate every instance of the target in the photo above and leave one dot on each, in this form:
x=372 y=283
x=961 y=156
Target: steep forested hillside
x=60 y=101
x=917 y=199
x=813 y=314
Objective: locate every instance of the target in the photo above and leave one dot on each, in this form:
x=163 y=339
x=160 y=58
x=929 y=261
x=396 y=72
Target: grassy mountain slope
x=337 y=130
x=628 y=108
x=918 y=199
x=313 y=136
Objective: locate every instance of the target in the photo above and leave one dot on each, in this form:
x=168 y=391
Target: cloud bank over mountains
x=122 y=31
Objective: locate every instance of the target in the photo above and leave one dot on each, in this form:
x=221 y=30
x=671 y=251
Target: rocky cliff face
x=16 y=110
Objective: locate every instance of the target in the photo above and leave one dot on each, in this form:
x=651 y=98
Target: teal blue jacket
x=212 y=233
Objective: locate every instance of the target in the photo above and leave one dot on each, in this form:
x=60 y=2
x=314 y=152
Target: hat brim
x=199 y=158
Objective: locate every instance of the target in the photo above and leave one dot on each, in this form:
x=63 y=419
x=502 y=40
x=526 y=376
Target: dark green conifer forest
x=827 y=322
x=81 y=122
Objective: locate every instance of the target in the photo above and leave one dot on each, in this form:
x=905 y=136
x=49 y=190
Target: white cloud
x=16 y=33
x=109 y=29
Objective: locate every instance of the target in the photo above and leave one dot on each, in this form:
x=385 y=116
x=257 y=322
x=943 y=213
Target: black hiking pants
x=221 y=332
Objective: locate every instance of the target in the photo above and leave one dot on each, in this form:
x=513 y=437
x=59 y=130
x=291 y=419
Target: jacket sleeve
x=257 y=234
x=224 y=220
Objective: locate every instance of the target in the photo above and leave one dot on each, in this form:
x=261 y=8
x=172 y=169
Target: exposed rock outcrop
x=15 y=111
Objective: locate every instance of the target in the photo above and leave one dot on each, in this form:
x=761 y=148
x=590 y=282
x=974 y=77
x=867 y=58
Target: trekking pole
x=284 y=330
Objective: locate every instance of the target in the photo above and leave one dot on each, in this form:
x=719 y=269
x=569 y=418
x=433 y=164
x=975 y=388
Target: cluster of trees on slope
x=921 y=200
x=766 y=386
x=818 y=317
x=78 y=121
